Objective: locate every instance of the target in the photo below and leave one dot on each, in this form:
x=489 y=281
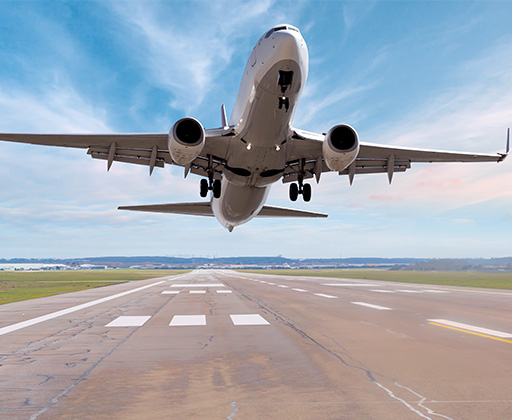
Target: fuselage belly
x=271 y=86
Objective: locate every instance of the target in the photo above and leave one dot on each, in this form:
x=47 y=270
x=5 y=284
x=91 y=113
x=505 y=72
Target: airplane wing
x=149 y=149
x=372 y=158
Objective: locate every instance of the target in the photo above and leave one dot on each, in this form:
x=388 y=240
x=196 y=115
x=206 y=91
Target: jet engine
x=186 y=140
x=340 y=147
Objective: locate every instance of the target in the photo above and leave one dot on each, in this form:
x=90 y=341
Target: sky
x=431 y=74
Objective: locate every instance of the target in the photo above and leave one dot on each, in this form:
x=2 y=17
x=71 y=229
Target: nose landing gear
x=284 y=81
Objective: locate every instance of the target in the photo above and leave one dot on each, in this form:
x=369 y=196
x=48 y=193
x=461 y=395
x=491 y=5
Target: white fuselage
x=262 y=125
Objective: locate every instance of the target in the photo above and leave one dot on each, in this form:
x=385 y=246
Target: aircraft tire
x=216 y=188
x=204 y=188
x=306 y=192
x=294 y=191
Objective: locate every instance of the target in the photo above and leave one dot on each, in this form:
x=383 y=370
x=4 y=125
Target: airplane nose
x=288 y=46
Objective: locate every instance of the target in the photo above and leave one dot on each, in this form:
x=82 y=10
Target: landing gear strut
x=210 y=184
x=300 y=188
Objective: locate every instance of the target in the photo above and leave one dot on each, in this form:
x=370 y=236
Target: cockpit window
x=280 y=28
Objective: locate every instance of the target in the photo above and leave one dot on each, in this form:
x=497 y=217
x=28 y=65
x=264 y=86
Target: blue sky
x=434 y=74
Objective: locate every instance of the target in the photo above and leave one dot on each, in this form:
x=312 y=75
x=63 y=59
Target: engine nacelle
x=186 y=140
x=340 y=147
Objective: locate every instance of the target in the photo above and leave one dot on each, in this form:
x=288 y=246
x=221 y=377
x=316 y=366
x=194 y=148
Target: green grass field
x=16 y=286
x=447 y=278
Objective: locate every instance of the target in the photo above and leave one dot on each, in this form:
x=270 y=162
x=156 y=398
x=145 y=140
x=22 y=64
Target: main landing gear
x=210 y=184
x=300 y=189
x=206 y=186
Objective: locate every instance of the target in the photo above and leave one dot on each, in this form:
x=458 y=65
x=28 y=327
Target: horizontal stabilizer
x=193 y=209
x=271 y=211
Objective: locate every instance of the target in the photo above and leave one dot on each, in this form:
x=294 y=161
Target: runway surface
x=226 y=345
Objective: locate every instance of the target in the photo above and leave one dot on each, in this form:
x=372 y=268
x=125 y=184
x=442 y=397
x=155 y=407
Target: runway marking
x=410 y=291
x=187 y=320
x=199 y=285
x=300 y=290
x=383 y=291
x=349 y=284
x=283 y=286
x=129 y=321
x=325 y=296
x=436 y=291
x=471 y=329
x=249 y=319
x=170 y=292
x=224 y=291
x=67 y=311
x=369 y=305
x=198 y=292
x=272 y=284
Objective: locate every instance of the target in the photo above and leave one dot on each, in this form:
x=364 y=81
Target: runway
x=227 y=345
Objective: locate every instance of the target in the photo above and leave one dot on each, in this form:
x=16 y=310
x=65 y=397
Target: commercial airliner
x=257 y=147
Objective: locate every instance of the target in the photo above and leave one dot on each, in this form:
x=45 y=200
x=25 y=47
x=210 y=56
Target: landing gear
x=284 y=82
x=301 y=189
x=210 y=184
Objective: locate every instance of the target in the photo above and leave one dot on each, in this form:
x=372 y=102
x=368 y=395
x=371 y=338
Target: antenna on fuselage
x=224 y=117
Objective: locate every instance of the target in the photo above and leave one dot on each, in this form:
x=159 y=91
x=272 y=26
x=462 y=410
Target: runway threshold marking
x=53 y=315
x=187 y=320
x=224 y=291
x=370 y=305
x=197 y=292
x=249 y=319
x=129 y=321
x=471 y=329
x=170 y=292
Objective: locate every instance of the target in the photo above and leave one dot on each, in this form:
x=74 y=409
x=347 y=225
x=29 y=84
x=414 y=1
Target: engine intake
x=340 y=147
x=186 y=140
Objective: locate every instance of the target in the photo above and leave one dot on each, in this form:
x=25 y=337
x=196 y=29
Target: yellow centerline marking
x=471 y=332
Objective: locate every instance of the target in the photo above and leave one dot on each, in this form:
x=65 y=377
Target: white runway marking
x=57 y=314
x=198 y=292
x=300 y=290
x=272 y=284
x=187 y=320
x=349 y=284
x=473 y=328
x=249 y=319
x=224 y=291
x=199 y=285
x=128 y=321
x=170 y=292
x=410 y=291
x=369 y=305
x=282 y=285
x=383 y=291
x=436 y=291
x=325 y=296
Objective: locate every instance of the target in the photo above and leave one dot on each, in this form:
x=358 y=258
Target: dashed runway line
x=300 y=290
x=348 y=284
x=224 y=291
x=326 y=296
x=197 y=292
x=170 y=292
x=370 y=305
x=383 y=291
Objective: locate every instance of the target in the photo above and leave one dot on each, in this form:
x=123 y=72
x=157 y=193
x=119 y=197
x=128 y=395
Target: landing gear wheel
x=306 y=192
x=294 y=191
x=203 y=188
x=216 y=188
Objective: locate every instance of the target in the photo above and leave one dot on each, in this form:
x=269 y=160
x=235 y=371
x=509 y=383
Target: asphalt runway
x=227 y=345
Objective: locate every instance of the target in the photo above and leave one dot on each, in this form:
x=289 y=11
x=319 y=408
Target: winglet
x=507 y=150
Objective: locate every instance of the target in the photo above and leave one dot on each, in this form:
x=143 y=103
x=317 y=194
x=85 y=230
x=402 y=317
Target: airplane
x=258 y=146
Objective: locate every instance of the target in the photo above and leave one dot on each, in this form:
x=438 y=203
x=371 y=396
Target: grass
x=17 y=286
x=446 y=278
